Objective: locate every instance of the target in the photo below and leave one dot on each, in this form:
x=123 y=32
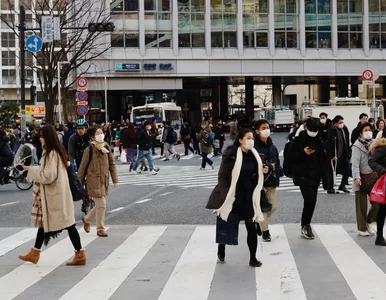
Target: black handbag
x=228 y=232
x=77 y=189
x=265 y=201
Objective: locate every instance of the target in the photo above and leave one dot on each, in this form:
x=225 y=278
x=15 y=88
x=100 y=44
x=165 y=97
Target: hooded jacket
x=200 y=136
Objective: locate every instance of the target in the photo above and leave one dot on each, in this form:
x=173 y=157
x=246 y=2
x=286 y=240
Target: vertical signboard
x=56 y=28
x=47 y=32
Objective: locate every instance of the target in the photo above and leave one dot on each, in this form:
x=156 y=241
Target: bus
x=165 y=111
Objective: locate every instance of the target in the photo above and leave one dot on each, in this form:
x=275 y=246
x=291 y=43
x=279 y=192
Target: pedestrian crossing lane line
x=193 y=274
x=279 y=277
x=14 y=241
x=97 y=285
x=28 y=274
x=365 y=278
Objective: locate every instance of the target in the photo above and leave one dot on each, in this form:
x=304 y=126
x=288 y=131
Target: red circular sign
x=367 y=75
x=82 y=110
x=82 y=96
x=82 y=82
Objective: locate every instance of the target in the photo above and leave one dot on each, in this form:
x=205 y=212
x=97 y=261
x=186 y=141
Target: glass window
x=350 y=19
x=7 y=21
x=8 y=39
x=286 y=23
x=6 y=5
x=8 y=58
x=318 y=23
x=377 y=24
x=223 y=23
x=255 y=20
x=158 y=24
x=191 y=23
x=9 y=76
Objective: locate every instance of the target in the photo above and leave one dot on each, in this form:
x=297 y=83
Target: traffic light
x=33 y=93
x=99 y=27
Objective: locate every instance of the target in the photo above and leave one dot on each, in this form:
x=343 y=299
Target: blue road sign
x=34 y=43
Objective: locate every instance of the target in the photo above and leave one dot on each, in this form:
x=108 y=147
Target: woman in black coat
x=237 y=195
x=308 y=161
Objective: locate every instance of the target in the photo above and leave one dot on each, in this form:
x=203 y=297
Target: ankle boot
x=79 y=259
x=33 y=256
x=380 y=241
x=221 y=252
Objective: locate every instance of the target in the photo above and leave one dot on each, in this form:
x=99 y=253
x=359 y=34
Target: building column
x=342 y=84
x=249 y=99
x=142 y=45
x=366 y=38
x=302 y=28
x=276 y=90
x=223 y=97
x=354 y=86
x=208 y=29
x=175 y=27
x=215 y=98
x=240 y=42
x=271 y=28
x=324 y=90
x=334 y=27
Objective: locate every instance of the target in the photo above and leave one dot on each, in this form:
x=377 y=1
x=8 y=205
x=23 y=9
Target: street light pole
x=59 y=92
x=22 y=69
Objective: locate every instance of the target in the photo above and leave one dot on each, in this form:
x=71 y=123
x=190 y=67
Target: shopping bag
x=123 y=156
x=227 y=232
x=378 y=193
x=116 y=152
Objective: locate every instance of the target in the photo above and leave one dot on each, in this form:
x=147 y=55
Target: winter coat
x=355 y=133
x=6 y=154
x=76 y=146
x=56 y=197
x=308 y=169
x=377 y=160
x=97 y=173
x=269 y=155
x=128 y=139
x=336 y=145
x=200 y=136
x=185 y=133
x=143 y=139
x=324 y=130
x=219 y=133
x=233 y=131
x=360 y=163
x=67 y=136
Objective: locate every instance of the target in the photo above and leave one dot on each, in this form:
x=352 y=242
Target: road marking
x=143 y=201
x=116 y=209
x=10 y=203
x=14 y=241
x=168 y=193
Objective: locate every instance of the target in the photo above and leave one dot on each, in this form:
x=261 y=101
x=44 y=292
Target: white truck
x=280 y=119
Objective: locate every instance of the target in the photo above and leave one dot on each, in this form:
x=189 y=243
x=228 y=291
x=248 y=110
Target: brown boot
x=78 y=260
x=86 y=225
x=102 y=233
x=33 y=256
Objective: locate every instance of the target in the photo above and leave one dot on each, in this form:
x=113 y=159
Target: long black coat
x=308 y=169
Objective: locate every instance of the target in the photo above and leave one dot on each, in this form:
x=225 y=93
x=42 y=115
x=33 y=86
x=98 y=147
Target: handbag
x=368 y=181
x=123 y=156
x=78 y=191
x=265 y=201
x=227 y=232
x=378 y=193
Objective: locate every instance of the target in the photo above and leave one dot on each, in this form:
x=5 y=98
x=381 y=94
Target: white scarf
x=224 y=211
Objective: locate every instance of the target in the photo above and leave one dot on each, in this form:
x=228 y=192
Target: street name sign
x=34 y=43
x=47 y=29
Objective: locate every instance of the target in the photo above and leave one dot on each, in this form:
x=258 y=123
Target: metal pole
x=22 y=69
x=374 y=104
x=59 y=96
x=106 y=114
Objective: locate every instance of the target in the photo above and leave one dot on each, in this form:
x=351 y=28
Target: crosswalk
x=179 y=262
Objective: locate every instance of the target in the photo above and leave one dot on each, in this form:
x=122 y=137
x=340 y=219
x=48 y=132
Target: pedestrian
x=308 y=159
x=361 y=169
x=52 y=207
x=196 y=145
x=233 y=129
x=270 y=158
x=70 y=131
x=363 y=118
x=6 y=157
x=154 y=134
x=130 y=145
x=326 y=126
x=206 y=139
x=78 y=142
x=380 y=124
x=97 y=163
x=170 y=138
x=240 y=181
x=186 y=138
x=219 y=138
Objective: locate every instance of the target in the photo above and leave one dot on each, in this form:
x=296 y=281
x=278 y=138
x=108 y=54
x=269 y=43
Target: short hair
x=204 y=123
x=260 y=122
x=371 y=120
x=92 y=130
x=167 y=123
x=323 y=114
x=363 y=126
x=337 y=119
x=70 y=125
x=362 y=115
x=313 y=124
x=146 y=123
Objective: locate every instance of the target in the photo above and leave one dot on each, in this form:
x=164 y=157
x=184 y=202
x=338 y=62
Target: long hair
x=52 y=142
x=242 y=133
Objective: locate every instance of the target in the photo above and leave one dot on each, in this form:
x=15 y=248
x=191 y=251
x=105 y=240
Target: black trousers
x=72 y=232
x=381 y=219
x=188 y=147
x=309 y=194
x=205 y=160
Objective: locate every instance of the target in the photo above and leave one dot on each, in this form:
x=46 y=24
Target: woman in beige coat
x=52 y=207
x=97 y=172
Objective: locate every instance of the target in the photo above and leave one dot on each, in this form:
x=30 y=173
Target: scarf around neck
x=365 y=142
x=100 y=146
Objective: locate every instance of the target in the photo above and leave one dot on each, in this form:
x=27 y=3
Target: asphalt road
x=177 y=195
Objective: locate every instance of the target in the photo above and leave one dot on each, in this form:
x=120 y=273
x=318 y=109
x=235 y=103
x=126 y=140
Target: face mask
x=100 y=138
x=341 y=126
x=312 y=134
x=265 y=133
x=249 y=144
x=368 y=135
x=323 y=121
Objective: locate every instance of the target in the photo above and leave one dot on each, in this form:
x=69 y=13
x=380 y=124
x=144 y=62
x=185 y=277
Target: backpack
x=172 y=136
x=208 y=139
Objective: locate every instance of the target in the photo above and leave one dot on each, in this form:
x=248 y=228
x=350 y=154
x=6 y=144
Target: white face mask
x=249 y=144
x=323 y=121
x=368 y=135
x=341 y=126
x=265 y=133
x=312 y=134
x=100 y=138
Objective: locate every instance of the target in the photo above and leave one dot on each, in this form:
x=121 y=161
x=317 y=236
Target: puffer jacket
x=200 y=136
x=377 y=160
x=360 y=163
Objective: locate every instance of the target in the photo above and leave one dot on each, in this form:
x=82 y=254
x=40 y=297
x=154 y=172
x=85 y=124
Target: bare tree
x=77 y=47
x=264 y=96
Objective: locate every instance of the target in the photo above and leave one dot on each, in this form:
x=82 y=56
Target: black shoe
x=266 y=236
x=343 y=189
x=221 y=252
x=255 y=263
x=307 y=232
x=380 y=241
x=178 y=157
x=258 y=229
x=332 y=191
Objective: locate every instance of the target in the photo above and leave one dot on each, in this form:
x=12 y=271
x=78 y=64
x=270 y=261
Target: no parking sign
x=82 y=110
x=367 y=75
x=82 y=83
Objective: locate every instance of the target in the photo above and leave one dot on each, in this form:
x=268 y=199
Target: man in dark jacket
x=6 y=155
x=363 y=118
x=337 y=149
x=326 y=126
x=219 y=138
x=70 y=131
x=77 y=143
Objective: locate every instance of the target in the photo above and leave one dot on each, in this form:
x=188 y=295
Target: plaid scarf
x=36 y=214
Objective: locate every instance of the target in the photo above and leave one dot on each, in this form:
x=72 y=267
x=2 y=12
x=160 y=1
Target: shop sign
x=128 y=67
x=35 y=110
x=149 y=67
x=165 y=67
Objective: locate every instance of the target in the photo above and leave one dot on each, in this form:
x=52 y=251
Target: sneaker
x=135 y=172
x=178 y=156
x=343 y=189
x=153 y=172
x=201 y=168
x=307 y=232
x=156 y=169
x=255 y=263
x=363 y=233
x=266 y=236
x=212 y=166
x=166 y=159
x=370 y=230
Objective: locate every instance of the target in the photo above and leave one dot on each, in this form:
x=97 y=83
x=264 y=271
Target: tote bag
x=227 y=232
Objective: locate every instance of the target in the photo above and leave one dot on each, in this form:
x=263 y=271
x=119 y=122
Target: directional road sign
x=34 y=43
x=82 y=110
x=367 y=75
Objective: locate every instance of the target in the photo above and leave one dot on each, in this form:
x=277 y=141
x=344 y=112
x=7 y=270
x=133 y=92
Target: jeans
x=140 y=156
x=309 y=194
x=205 y=160
x=169 y=148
